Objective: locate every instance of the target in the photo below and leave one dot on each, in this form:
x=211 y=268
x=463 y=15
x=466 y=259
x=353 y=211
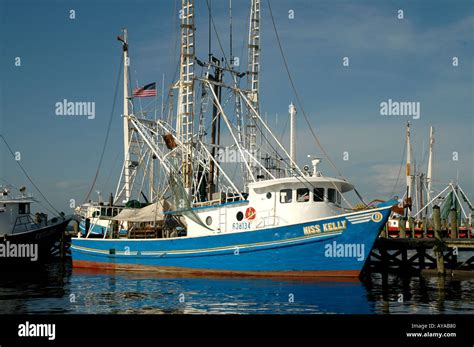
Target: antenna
x=292 y=111
x=429 y=174
x=162 y=98
x=209 y=3
x=230 y=34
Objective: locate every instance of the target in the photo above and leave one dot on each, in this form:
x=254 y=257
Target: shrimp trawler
x=180 y=204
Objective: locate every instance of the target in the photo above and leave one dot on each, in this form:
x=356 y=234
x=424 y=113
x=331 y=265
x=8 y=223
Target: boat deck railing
x=225 y=197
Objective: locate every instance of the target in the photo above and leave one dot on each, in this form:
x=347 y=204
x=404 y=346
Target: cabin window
x=286 y=196
x=338 y=198
x=209 y=220
x=23 y=208
x=318 y=194
x=331 y=195
x=269 y=195
x=302 y=195
x=240 y=216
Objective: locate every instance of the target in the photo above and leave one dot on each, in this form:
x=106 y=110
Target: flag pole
x=162 y=97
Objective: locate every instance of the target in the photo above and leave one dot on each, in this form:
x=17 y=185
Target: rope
x=284 y=129
x=360 y=197
x=298 y=100
x=168 y=103
x=28 y=176
x=300 y=104
x=107 y=136
x=217 y=35
x=399 y=171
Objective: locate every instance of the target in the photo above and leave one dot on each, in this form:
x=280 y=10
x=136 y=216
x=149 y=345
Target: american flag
x=148 y=90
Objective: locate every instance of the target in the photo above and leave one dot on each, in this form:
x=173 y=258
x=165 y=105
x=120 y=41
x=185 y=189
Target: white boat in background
x=19 y=228
x=420 y=197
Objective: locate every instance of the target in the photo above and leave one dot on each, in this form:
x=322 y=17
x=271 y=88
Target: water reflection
x=57 y=288
x=138 y=293
x=420 y=295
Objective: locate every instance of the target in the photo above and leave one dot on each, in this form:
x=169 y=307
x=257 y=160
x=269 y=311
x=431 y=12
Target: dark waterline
x=57 y=288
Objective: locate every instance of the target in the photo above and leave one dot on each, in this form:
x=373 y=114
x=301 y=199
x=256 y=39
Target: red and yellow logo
x=250 y=213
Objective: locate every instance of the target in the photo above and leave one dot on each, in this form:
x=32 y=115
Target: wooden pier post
x=401 y=228
x=425 y=227
x=453 y=216
x=438 y=247
x=444 y=227
x=411 y=226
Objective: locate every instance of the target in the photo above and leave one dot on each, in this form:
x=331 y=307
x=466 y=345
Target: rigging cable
x=298 y=100
x=107 y=135
x=399 y=170
x=226 y=62
x=168 y=103
x=28 y=176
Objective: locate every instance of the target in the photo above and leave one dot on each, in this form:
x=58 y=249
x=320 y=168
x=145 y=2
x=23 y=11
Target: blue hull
x=332 y=246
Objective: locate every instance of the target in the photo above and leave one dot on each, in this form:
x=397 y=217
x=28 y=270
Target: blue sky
x=404 y=60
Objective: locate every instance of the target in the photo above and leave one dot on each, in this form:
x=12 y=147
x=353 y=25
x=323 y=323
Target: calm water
x=57 y=288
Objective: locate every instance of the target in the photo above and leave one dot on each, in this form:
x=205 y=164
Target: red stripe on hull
x=169 y=270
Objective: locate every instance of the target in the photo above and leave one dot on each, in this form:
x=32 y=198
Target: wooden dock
x=412 y=256
x=435 y=249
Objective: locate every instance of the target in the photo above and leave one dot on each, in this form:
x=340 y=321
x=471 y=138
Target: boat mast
x=126 y=126
x=292 y=110
x=253 y=82
x=215 y=128
x=429 y=174
x=185 y=119
x=409 y=178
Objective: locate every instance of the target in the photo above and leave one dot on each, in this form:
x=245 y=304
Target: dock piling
x=401 y=227
x=438 y=247
x=453 y=224
x=411 y=226
x=425 y=227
